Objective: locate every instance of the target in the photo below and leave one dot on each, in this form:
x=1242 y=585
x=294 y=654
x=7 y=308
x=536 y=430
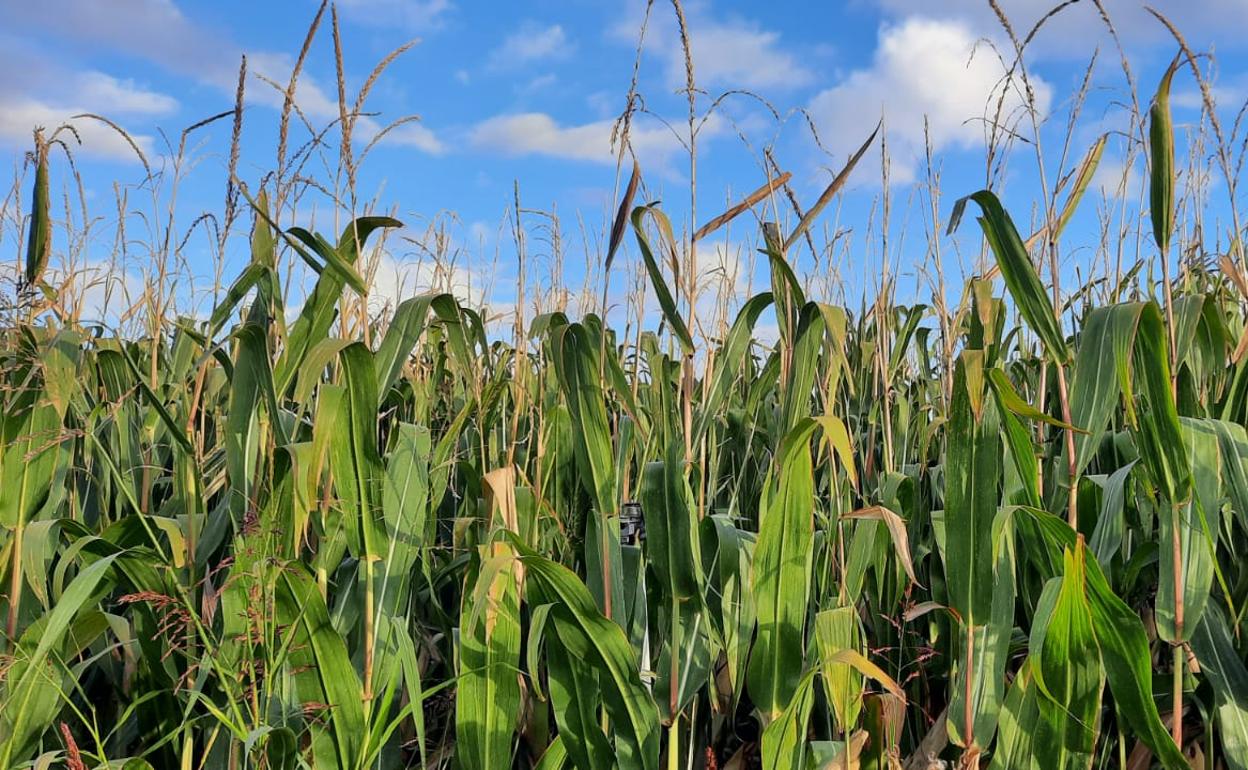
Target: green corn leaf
x=357 y=464
x=666 y=302
x=784 y=739
x=1016 y=745
x=1101 y=374
x=401 y=335
x=805 y=367
x=405 y=505
x=309 y=329
x=324 y=675
x=589 y=636
x=1193 y=524
x=1009 y=399
x=1022 y=454
x=835 y=630
x=320 y=307
x=781 y=582
x=1111 y=523
x=1223 y=667
x=728 y=363
x=333 y=258
x=33 y=687
x=991 y=648
x=243 y=428
x=786 y=291
x=667 y=504
x=1080 y=179
x=555 y=757
x=1233 y=441
x=1018 y=271
x=251 y=276
x=488 y=693
x=728 y=553
x=575 y=698
x=312 y=371
x=176 y=431
x=1066 y=663
x=1123 y=643
x=577 y=369
x=973 y=470
x=1161 y=443
x=28 y=465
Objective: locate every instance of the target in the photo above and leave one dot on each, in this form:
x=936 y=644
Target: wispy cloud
x=19 y=117
x=417 y=15
x=121 y=96
x=537 y=133
x=532 y=42
x=727 y=53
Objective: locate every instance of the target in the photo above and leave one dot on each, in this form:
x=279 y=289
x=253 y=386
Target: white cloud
x=20 y=115
x=1115 y=179
x=154 y=30
x=1078 y=28
x=921 y=69
x=536 y=133
x=529 y=43
x=37 y=91
x=1227 y=92
x=733 y=53
x=105 y=93
x=414 y=135
x=394 y=279
x=740 y=56
x=159 y=32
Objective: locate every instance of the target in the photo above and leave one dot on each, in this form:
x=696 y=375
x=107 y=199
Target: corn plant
x=1002 y=533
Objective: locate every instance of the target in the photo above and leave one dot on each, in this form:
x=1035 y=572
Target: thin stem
x=1072 y=502
x=1176 y=727
x=968 y=709
x=15 y=584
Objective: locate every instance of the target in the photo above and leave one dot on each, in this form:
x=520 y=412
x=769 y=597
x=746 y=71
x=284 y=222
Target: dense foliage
x=286 y=537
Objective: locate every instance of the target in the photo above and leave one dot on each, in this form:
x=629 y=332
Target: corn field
x=1000 y=531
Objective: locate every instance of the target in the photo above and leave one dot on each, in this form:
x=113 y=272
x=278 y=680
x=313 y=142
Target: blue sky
x=528 y=91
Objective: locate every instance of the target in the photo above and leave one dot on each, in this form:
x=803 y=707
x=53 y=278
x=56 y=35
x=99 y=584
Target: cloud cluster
x=922 y=70
x=159 y=32
x=38 y=92
x=394 y=279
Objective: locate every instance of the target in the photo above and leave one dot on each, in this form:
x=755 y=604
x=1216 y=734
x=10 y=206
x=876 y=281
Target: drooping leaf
x=1018 y=271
